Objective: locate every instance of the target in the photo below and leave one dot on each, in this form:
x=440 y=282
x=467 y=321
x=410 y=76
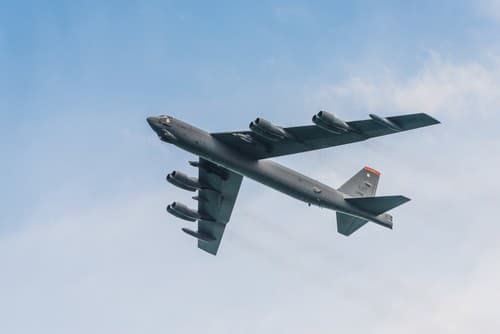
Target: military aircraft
x=225 y=158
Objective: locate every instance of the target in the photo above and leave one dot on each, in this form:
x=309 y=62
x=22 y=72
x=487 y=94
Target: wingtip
x=404 y=199
x=432 y=120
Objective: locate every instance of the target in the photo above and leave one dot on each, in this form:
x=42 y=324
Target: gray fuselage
x=269 y=173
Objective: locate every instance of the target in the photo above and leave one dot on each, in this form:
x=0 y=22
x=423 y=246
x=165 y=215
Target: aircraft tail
x=347 y=224
x=362 y=188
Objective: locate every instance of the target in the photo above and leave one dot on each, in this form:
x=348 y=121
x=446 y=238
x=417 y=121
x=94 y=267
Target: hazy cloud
x=93 y=249
x=450 y=170
x=440 y=87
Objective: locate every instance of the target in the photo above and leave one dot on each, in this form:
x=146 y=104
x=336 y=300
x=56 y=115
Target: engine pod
x=181 y=211
x=183 y=181
x=330 y=123
x=267 y=130
x=385 y=122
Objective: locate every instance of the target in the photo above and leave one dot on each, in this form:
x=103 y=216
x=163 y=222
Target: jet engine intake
x=183 y=212
x=330 y=123
x=183 y=181
x=267 y=130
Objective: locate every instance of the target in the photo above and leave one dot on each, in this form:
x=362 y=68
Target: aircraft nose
x=152 y=121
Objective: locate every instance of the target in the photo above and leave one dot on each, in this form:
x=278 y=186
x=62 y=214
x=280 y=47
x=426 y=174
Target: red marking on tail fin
x=371 y=170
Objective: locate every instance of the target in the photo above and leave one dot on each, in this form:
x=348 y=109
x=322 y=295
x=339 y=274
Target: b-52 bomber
x=225 y=158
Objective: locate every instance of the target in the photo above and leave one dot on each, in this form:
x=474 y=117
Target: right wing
x=312 y=137
x=216 y=200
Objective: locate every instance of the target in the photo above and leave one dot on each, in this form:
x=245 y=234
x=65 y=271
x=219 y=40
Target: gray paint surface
x=226 y=157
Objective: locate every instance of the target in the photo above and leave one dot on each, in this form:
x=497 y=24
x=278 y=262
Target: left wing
x=216 y=200
x=312 y=137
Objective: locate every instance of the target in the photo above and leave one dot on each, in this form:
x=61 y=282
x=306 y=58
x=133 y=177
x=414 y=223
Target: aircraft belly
x=273 y=175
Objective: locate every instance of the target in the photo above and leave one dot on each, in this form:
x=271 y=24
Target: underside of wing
x=216 y=199
x=258 y=144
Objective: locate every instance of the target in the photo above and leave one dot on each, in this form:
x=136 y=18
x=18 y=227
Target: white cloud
x=440 y=87
x=124 y=266
x=451 y=170
x=469 y=306
x=475 y=306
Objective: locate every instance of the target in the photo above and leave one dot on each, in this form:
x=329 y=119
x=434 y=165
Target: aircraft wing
x=216 y=200
x=309 y=138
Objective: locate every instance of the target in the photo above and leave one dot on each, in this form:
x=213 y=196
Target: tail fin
x=363 y=184
x=361 y=189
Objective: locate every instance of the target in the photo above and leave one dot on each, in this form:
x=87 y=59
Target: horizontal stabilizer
x=377 y=205
x=347 y=224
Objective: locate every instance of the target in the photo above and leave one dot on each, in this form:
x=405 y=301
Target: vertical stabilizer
x=363 y=184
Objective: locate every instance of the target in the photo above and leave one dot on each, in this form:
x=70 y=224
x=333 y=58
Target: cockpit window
x=165 y=119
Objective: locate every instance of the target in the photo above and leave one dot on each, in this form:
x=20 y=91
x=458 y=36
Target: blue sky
x=85 y=242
